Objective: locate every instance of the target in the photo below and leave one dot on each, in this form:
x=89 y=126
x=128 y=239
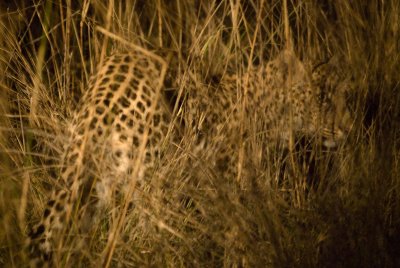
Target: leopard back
x=117 y=134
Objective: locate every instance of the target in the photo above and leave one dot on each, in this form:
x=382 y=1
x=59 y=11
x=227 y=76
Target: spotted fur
x=278 y=102
x=120 y=130
x=118 y=133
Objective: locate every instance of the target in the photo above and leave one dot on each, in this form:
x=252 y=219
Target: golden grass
x=339 y=209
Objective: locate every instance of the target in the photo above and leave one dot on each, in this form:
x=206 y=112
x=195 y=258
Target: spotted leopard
x=117 y=135
x=272 y=105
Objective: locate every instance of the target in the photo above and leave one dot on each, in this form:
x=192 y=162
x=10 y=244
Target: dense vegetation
x=341 y=209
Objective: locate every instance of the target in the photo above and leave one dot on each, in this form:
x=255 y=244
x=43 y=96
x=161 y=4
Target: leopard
x=238 y=117
x=248 y=127
x=117 y=133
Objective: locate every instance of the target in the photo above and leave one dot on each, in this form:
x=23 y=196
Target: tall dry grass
x=338 y=209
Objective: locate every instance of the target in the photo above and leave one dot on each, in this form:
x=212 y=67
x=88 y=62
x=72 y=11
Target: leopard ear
x=294 y=68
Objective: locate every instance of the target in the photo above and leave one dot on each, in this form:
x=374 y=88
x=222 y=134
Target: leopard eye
x=321 y=96
x=200 y=134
